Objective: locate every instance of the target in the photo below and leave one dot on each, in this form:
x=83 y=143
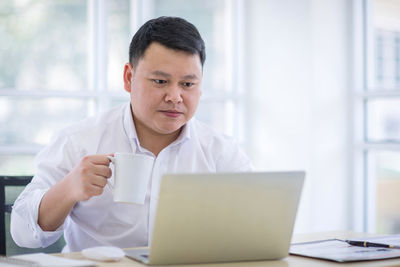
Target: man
x=68 y=192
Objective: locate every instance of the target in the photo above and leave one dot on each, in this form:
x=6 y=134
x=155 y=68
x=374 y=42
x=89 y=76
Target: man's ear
x=128 y=77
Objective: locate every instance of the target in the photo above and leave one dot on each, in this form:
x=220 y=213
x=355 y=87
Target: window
x=43 y=76
x=67 y=65
x=381 y=113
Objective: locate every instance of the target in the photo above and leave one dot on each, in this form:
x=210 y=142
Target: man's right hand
x=86 y=180
x=89 y=177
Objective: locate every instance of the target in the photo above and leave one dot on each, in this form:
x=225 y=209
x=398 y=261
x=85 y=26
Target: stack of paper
x=46 y=260
x=340 y=251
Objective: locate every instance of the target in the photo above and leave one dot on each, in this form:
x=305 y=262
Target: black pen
x=369 y=244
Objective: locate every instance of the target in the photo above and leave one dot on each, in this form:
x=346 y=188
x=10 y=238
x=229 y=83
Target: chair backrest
x=15 y=185
x=7 y=207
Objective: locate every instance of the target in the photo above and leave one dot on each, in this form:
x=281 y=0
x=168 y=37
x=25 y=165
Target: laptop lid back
x=222 y=217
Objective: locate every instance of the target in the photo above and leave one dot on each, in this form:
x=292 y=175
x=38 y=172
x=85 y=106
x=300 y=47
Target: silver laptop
x=223 y=217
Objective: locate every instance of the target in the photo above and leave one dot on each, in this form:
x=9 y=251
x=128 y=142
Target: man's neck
x=152 y=141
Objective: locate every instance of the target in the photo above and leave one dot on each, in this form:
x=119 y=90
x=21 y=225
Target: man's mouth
x=172 y=113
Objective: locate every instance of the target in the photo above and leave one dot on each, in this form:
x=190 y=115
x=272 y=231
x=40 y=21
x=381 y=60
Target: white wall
x=297 y=65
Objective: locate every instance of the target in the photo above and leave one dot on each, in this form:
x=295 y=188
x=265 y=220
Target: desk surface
x=286 y=262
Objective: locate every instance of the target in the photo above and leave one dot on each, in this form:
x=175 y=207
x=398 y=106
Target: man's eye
x=187 y=84
x=159 y=81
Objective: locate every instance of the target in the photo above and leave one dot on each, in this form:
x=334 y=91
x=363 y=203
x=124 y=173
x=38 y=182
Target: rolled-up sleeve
x=52 y=164
x=25 y=230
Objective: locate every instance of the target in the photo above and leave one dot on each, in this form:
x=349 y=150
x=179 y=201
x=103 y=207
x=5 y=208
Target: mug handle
x=112 y=159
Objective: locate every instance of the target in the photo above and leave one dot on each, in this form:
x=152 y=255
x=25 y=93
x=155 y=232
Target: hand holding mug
x=90 y=176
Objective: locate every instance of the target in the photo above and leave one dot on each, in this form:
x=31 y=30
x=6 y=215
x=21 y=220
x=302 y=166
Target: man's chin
x=169 y=130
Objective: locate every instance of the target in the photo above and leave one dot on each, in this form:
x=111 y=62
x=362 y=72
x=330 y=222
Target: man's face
x=165 y=89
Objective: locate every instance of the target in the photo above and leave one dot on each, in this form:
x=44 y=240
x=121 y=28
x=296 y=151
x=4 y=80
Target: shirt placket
x=158 y=170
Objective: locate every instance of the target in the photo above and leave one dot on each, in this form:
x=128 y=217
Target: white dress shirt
x=100 y=220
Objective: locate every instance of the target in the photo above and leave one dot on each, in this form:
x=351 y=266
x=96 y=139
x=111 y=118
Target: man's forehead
x=156 y=49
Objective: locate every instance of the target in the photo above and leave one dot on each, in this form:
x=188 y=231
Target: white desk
x=289 y=261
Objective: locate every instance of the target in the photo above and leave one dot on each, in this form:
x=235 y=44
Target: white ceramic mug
x=131 y=176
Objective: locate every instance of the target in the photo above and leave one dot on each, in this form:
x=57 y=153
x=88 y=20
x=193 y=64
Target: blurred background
x=302 y=84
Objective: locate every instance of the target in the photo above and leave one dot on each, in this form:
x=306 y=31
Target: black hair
x=172 y=32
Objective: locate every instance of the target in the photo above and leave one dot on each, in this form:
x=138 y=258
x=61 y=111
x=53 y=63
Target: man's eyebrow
x=190 y=77
x=161 y=73
x=166 y=75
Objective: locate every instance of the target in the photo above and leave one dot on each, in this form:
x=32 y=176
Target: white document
x=340 y=251
x=13 y=262
x=46 y=260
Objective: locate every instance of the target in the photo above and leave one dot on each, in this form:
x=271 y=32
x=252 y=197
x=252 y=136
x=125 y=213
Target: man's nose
x=174 y=94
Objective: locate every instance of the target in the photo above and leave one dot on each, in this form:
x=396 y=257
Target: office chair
x=5 y=212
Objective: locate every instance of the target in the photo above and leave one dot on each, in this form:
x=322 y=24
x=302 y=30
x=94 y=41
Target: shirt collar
x=131 y=133
x=184 y=135
x=129 y=126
